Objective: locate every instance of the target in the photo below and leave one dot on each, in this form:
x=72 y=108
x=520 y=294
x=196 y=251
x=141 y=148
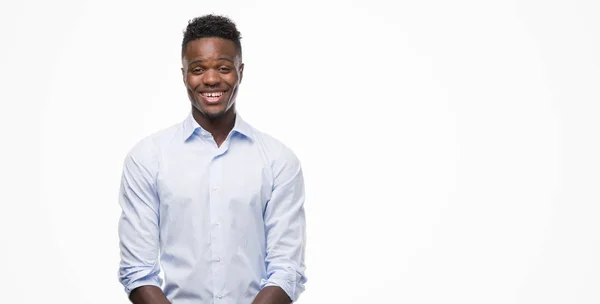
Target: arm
x=139 y=231
x=285 y=229
x=148 y=295
x=272 y=295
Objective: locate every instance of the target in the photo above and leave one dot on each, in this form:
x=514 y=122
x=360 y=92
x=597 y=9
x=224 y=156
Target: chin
x=214 y=115
x=213 y=111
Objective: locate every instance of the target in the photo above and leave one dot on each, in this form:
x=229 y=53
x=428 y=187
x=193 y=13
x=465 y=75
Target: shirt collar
x=191 y=126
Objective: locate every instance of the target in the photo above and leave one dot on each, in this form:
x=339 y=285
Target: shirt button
x=217 y=224
x=220 y=296
x=218 y=259
x=215 y=188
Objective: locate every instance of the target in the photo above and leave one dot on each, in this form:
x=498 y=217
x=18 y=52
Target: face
x=212 y=71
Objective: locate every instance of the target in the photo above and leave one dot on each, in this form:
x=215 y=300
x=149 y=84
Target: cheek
x=191 y=81
x=232 y=80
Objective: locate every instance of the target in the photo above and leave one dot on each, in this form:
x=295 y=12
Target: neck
x=218 y=127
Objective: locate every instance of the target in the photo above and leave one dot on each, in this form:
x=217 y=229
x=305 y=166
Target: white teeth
x=213 y=94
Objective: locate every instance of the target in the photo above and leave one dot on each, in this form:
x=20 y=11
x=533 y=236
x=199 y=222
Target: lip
x=212 y=100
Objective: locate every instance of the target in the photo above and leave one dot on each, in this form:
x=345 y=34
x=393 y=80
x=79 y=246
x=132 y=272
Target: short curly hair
x=211 y=26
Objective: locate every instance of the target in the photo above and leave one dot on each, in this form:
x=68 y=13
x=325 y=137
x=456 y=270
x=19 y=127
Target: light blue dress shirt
x=221 y=222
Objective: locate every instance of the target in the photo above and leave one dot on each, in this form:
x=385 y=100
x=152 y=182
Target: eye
x=224 y=69
x=197 y=70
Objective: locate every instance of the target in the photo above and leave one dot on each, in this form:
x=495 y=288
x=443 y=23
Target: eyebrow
x=220 y=58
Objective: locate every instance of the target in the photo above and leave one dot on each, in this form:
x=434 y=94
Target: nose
x=211 y=78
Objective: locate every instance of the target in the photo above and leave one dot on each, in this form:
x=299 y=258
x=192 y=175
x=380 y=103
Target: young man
x=213 y=202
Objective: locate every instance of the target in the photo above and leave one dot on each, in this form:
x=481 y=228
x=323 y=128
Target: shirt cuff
x=289 y=286
x=152 y=281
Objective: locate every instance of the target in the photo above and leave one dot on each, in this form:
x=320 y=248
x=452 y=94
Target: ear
x=241 y=72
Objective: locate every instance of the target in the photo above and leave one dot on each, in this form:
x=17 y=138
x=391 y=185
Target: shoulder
x=279 y=155
x=273 y=145
x=146 y=151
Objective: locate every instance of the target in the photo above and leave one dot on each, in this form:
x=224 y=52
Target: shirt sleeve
x=285 y=228
x=138 y=224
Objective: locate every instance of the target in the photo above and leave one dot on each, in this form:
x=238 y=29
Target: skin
x=148 y=295
x=211 y=64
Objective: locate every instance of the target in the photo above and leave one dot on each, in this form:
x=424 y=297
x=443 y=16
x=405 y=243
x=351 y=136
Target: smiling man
x=212 y=202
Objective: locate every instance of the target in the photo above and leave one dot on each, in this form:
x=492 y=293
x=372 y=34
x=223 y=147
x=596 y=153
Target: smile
x=212 y=97
x=212 y=94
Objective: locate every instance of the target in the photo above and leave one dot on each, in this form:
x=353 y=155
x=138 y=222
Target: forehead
x=210 y=48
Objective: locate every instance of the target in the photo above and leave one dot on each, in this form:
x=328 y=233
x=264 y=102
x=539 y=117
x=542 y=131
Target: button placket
x=215 y=202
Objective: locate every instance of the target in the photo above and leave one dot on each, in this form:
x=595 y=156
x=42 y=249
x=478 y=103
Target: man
x=213 y=202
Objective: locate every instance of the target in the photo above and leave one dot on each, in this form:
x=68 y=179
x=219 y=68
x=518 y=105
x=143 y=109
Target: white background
x=450 y=148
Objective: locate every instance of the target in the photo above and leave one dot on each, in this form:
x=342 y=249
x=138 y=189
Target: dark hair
x=211 y=26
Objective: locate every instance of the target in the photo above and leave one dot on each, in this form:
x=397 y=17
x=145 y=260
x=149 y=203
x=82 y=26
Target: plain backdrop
x=450 y=148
